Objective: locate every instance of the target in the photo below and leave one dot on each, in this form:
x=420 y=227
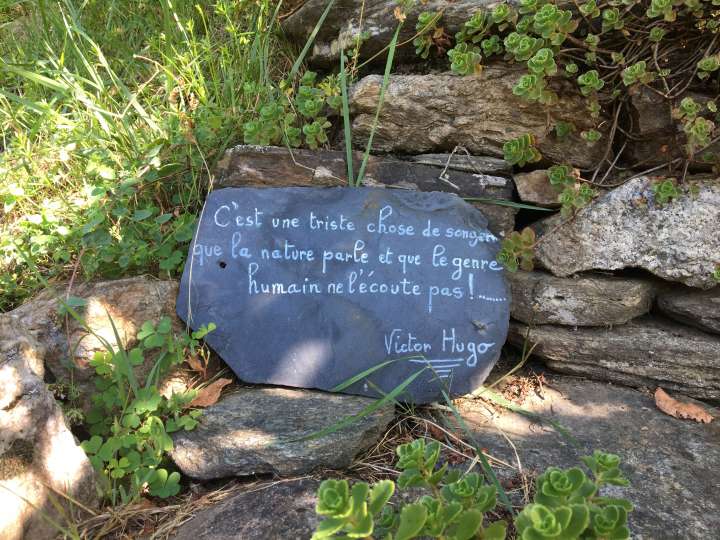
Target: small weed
x=573 y=193
x=665 y=191
x=130 y=421
x=111 y=120
x=517 y=251
x=68 y=395
x=521 y=150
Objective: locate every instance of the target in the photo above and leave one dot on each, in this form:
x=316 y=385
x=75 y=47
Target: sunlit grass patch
x=111 y=119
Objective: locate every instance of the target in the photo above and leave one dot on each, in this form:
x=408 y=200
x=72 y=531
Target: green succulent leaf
x=495 y=531
x=708 y=65
x=590 y=9
x=380 y=494
x=609 y=522
x=538 y=522
x=467 y=525
x=412 y=521
x=612 y=20
x=657 y=33
x=328 y=527
x=543 y=62
x=637 y=73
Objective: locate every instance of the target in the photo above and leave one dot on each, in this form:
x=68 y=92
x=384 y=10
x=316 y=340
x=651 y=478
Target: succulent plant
x=457 y=504
x=521 y=150
x=465 y=59
x=590 y=82
x=538 y=522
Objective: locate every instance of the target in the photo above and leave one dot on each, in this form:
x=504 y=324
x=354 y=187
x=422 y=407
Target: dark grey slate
x=287 y=322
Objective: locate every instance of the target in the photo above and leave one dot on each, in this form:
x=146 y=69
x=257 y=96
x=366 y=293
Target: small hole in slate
x=222 y=264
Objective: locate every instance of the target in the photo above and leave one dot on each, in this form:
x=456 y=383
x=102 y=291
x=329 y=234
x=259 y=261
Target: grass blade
x=511 y=204
x=489 y=473
x=309 y=42
x=381 y=98
x=374 y=406
x=36 y=78
x=355 y=378
x=346 y=119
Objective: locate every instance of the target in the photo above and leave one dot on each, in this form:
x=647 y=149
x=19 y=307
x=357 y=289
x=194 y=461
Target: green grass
x=111 y=119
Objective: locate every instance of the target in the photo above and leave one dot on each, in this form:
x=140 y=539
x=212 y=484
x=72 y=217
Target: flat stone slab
x=258 y=430
x=671 y=463
x=628 y=228
x=343 y=25
x=700 y=309
x=434 y=113
x=309 y=287
x=645 y=352
x=476 y=177
x=275 y=510
x=592 y=300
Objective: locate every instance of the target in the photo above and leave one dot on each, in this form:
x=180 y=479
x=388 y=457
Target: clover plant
x=130 y=421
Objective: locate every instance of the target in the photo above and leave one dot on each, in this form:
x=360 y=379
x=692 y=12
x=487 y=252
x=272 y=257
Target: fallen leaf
x=196 y=365
x=679 y=409
x=436 y=433
x=210 y=394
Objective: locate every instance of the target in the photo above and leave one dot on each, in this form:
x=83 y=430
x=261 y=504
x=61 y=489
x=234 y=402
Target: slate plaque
x=311 y=286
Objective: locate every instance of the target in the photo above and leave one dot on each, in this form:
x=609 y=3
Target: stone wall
x=623 y=291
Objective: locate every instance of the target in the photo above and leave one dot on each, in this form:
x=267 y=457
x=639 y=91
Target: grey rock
x=696 y=308
x=67 y=346
x=342 y=25
x=534 y=188
x=595 y=300
x=39 y=457
x=257 y=430
x=644 y=352
x=431 y=113
x=272 y=166
x=626 y=228
x=280 y=510
x=657 y=137
x=671 y=463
